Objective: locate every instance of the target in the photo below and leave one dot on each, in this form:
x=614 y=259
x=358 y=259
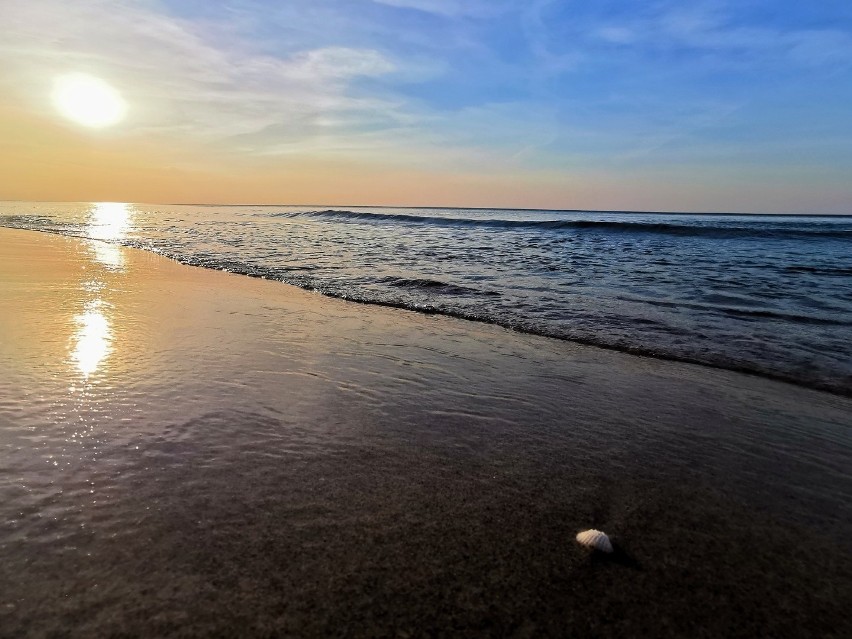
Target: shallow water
x=191 y=453
x=766 y=294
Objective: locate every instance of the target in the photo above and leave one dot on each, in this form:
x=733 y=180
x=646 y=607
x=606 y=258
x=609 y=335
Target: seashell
x=595 y=539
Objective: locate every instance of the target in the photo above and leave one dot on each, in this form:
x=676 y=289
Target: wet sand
x=193 y=453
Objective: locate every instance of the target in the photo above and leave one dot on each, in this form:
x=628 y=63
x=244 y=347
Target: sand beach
x=194 y=453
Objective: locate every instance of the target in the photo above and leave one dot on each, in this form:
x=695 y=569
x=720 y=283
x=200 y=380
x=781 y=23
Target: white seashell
x=595 y=539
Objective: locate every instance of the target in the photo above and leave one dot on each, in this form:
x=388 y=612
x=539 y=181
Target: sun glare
x=88 y=100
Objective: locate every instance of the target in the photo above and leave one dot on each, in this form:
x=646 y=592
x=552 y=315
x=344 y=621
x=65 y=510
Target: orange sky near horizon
x=46 y=159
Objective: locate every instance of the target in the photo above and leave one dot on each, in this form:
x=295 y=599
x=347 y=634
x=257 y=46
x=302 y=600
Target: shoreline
x=840 y=391
x=191 y=452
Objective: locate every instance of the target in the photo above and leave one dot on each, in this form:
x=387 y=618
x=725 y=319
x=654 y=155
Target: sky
x=740 y=105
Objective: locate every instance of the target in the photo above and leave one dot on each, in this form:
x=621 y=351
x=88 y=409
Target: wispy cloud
x=450 y=7
x=175 y=78
x=204 y=80
x=716 y=30
x=552 y=56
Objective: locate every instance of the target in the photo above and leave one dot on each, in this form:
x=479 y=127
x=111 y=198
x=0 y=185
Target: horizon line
x=445 y=208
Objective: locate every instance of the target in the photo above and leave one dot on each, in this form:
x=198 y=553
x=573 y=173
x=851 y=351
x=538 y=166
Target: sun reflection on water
x=92 y=339
x=109 y=221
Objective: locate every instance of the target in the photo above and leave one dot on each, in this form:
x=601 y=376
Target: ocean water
x=770 y=295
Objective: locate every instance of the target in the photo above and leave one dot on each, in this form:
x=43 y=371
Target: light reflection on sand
x=92 y=342
x=108 y=255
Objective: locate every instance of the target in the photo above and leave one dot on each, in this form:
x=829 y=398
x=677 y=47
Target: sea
x=187 y=453
x=769 y=295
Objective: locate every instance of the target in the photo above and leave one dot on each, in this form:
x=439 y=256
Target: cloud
x=616 y=35
x=552 y=57
x=820 y=48
x=709 y=30
x=181 y=76
x=452 y=8
x=204 y=81
x=340 y=62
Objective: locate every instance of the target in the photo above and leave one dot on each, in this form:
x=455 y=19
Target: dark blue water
x=770 y=295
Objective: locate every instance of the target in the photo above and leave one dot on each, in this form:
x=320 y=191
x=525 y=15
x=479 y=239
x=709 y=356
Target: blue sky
x=743 y=101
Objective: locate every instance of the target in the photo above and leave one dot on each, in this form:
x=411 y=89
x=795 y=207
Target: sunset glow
x=722 y=106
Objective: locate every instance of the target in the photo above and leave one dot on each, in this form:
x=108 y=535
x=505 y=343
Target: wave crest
x=800 y=230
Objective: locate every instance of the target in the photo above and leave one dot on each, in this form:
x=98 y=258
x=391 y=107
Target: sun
x=88 y=100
